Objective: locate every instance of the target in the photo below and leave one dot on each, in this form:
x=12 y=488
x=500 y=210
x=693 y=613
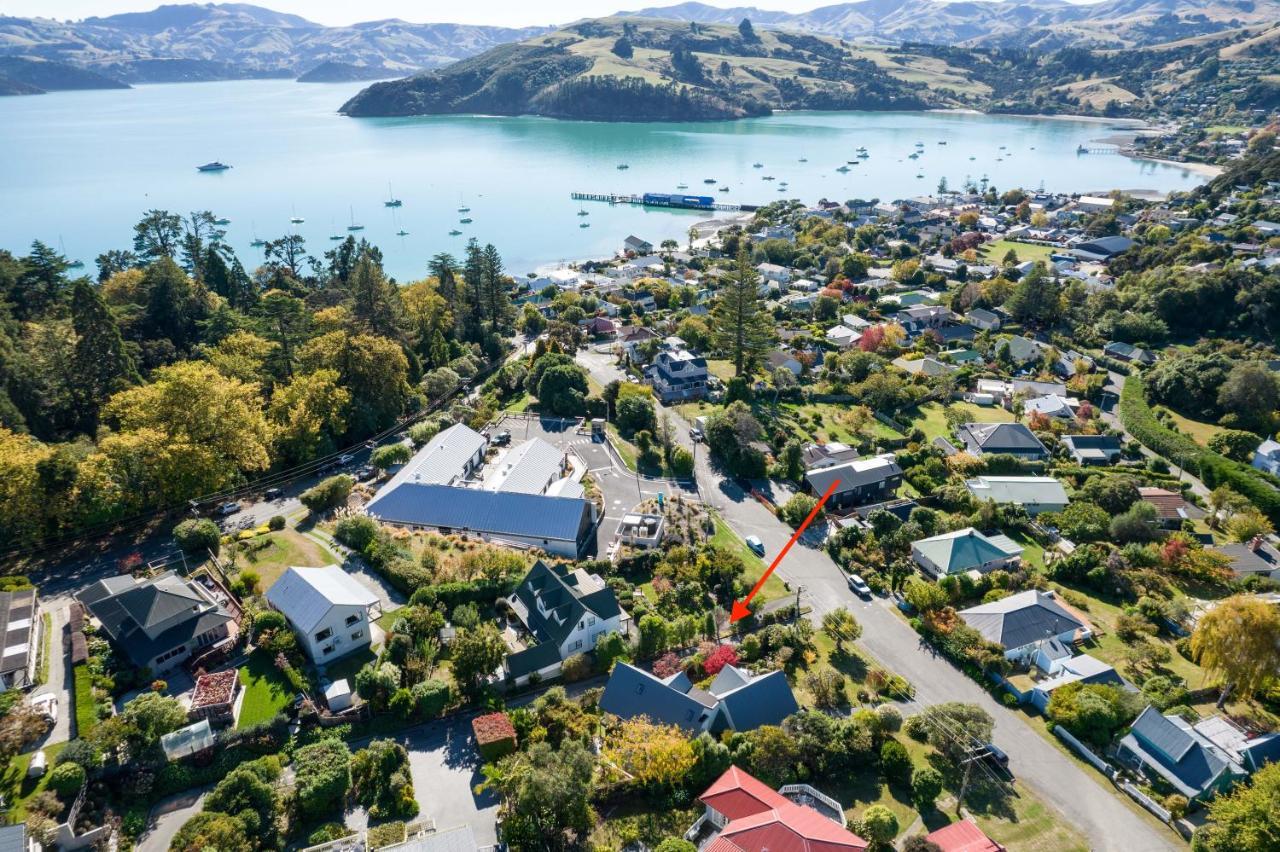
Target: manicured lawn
x=932 y=421
x=86 y=711
x=285 y=548
x=832 y=424
x=346 y=667
x=1199 y=432
x=1032 y=552
x=388 y=618
x=18 y=789
x=266 y=692
x=1032 y=828
x=722 y=370
x=729 y=540
x=995 y=252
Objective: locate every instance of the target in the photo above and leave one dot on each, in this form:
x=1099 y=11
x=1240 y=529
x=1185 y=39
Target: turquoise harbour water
x=81 y=167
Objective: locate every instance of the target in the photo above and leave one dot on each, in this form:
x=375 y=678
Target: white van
x=39 y=763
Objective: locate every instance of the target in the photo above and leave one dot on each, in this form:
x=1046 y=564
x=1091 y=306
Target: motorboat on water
x=215 y=166
x=708 y=180
x=583 y=213
x=465 y=220
x=221 y=222
x=757 y=165
x=622 y=166
x=455 y=232
x=402 y=233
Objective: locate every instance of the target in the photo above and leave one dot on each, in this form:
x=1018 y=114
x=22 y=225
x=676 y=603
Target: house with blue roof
x=561 y=526
x=736 y=700
x=1171 y=748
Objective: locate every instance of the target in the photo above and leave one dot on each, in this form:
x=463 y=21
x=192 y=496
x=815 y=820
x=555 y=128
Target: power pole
x=976 y=753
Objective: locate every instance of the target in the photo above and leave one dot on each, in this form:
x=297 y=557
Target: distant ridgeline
x=643 y=70
x=635 y=69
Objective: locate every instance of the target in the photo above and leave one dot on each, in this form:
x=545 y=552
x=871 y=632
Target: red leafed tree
x=1173 y=551
x=666 y=665
x=723 y=655
x=1039 y=421
x=1084 y=412
x=871 y=339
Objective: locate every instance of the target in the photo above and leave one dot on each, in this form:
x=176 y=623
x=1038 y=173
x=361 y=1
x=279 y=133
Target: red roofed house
x=744 y=814
x=963 y=836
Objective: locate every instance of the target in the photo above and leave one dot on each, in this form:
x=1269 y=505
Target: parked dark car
x=501 y=439
x=367 y=472
x=273 y=494
x=995 y=756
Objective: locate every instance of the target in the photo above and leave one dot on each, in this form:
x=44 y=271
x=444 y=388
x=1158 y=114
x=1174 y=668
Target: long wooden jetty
x=620 y=198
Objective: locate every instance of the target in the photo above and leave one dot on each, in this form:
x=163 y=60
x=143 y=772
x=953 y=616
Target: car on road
x=346 y=459
x=228 y=508
x=273 y=494
x=696 y=434
x=47 y=706
x=754 y=542
x=501 y=439
x=859 y=586
x=366 y=472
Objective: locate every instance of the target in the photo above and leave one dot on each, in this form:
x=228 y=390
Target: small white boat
x=296 y=220
x=455 y=232
x=215 y=166
x=221 y=222
x=757 y=165
x=402 y=233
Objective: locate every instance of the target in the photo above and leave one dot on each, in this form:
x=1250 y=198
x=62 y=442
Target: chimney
x=1255 y=543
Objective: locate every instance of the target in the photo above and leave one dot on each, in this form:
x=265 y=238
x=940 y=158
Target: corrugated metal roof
x=1021 y=619
x=443 y=459
x=305 y=595
x=496 y=513
x=964 y=550
x=853 y=474
x=1019 y=489
x=528 y=468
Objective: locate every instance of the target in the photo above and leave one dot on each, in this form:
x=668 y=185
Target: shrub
x=276 y=523
x=323 y=776
x=916 y=727
x=577 y=667
x=328 y=833
x=66 y=779
x=895 y=763
x=723 y=655
x=795 y=510
x=267 y=619
x=495 y=735
x=432 y=697
x=328 y=494
x=890 y=718
x=1176 y=805
x=356 y=531
x=390 y=455
x=926 y=786
x=197 y=535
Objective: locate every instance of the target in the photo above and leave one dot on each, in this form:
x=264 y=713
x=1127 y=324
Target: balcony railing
x=803 y=794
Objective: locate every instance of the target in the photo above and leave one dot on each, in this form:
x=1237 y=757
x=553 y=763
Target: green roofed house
x=562 y=611
x=964 y=550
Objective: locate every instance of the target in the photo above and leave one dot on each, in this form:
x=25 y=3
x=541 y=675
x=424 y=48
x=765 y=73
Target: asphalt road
x=1082 y=797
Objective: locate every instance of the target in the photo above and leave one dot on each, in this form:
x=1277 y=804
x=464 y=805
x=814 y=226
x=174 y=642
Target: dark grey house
x=735 y=700
x=1012 y=439
x=1093 y=449
x=1171 y=748
x=860 y=481
x=20 y=626
x=161 y=621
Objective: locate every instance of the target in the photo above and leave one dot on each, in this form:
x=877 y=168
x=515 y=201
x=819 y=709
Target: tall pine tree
x=741 y=329
x=102 y=363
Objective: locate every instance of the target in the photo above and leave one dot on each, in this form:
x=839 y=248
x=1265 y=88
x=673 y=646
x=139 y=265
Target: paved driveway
x=60 y=679
x=446 y=770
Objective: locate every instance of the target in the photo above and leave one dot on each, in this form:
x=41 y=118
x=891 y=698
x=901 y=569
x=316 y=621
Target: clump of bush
x=328 y=494
x=196 y=535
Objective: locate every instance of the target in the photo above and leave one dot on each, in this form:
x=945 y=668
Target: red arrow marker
x=740 y=610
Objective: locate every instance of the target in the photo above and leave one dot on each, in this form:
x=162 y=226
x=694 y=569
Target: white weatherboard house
x=328 y=609
x=1036 y=494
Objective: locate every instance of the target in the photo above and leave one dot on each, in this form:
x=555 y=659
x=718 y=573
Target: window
x=324 y=634
x=326 y=650
x=357 y=634
x=576 y=646
x=352 y=619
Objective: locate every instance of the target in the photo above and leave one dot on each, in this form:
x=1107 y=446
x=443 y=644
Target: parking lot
x=620 y=489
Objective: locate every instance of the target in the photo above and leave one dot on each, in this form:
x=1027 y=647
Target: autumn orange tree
x=653 y=755
x=1239 y=640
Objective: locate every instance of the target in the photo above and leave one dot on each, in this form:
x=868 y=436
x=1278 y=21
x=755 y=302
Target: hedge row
x=483 y=591
x=1213 y=469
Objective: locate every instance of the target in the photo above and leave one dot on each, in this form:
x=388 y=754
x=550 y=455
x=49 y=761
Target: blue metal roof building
x=559 y=525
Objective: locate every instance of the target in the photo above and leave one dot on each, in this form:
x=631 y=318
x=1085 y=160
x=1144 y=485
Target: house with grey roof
x=450 y=457
x=1171 y=748
x=735 y=700
x=859 y=481
x=1059 y=667
x=528 y=468
x=1023 y=622
x=161 y=621
x=327 y=608
x=927 y=366
x=828 y=454
x=1128 y=353
x=1267 y=457
x=22 y=629
x=558 y=525
x=1255 y=558
x=982 y=319
x=1035 y=494
x=1093 y=449
x=1012 y=439
x=964 y=550
x=1024 y=350
x=562 y=611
